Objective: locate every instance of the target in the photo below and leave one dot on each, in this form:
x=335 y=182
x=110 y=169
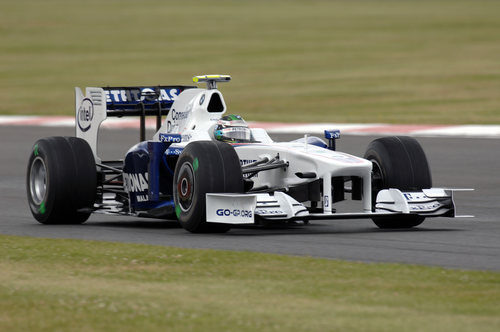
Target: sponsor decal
x=174 y=151
x=179 y=115
x=424 y=207
x=332 y=134
x=247 y=161
x=137 y=95
x=202 y=99
x=170 y=138
x=85 y=114
x=234 y=213
x=415 y=197
x=267 y=212
x=135 y=182
x=326 y=200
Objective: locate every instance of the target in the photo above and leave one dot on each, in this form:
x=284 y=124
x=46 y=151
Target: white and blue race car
x=186 y=172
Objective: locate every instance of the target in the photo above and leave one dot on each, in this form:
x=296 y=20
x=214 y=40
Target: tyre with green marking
x=204 y=167
x=61 y=180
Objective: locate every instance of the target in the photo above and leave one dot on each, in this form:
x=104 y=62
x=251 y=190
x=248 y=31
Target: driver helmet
x=232 y=129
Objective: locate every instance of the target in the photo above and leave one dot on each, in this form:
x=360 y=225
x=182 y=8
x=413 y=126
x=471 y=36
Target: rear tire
x=204 y=167
x=398 y=162
x=61 y=180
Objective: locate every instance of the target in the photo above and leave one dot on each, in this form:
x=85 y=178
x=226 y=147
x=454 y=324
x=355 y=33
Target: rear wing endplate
x=99 y=103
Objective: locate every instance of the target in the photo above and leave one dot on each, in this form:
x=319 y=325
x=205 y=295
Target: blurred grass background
x=73 y=285
x=322 y=61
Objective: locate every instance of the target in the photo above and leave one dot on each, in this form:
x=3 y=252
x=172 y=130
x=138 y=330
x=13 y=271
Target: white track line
x=485 y=131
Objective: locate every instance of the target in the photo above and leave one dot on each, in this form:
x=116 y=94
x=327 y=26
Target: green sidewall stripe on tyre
x=36 y=150
x=42 y=208
x=196 y=164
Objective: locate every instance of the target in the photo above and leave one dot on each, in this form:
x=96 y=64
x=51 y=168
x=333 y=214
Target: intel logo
x=85 y=114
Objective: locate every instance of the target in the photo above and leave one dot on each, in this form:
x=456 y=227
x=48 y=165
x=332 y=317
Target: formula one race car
x=209 y=170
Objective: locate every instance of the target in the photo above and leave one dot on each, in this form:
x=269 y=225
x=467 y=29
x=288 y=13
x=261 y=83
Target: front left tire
x=204 y=167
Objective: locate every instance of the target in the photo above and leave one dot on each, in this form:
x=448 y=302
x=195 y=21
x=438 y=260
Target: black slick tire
x=204 y=167
x=61 y=180
x=398 y=162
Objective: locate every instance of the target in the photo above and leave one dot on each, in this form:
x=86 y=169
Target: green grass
x=332 y=61
x=49 y=284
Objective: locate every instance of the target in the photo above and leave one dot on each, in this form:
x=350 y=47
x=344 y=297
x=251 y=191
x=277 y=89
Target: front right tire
x=398 y=162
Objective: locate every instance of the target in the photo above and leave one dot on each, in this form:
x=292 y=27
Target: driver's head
x=232 y=129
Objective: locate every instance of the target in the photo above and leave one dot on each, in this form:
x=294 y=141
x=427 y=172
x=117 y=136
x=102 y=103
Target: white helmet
x=232 y=129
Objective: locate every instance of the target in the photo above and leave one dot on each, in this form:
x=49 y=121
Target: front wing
x=278 y=206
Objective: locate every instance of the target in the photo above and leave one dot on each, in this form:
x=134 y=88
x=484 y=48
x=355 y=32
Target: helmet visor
x=235 y=134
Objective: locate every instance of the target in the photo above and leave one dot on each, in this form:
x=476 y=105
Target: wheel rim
x=185 y=186
x=38 y=180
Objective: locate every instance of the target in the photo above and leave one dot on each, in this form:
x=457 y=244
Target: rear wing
x=99 y=103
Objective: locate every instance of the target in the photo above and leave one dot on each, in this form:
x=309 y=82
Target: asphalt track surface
x=472 y=243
